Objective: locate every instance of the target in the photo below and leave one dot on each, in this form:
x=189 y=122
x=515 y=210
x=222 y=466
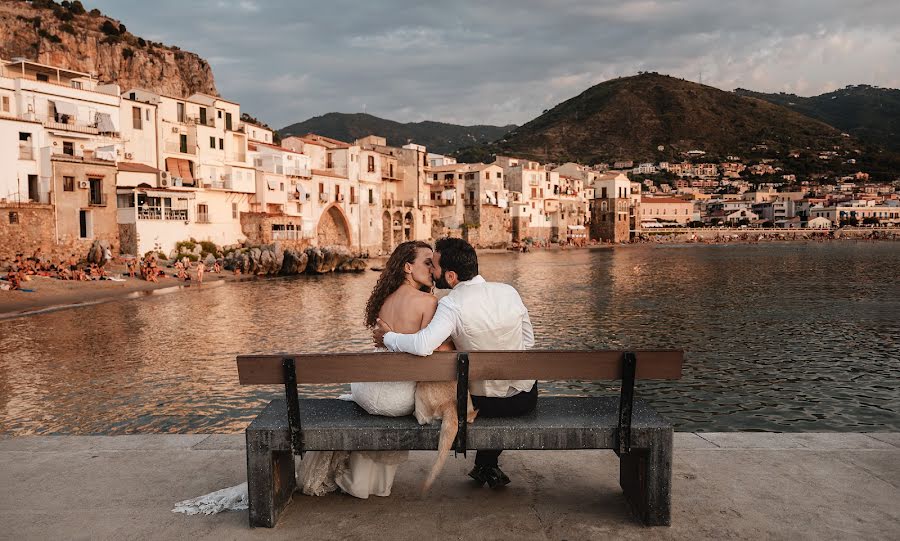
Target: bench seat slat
x=441 y=366
x=556 y=423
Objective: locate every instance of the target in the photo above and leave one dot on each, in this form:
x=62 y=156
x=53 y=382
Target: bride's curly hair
x=392 y=277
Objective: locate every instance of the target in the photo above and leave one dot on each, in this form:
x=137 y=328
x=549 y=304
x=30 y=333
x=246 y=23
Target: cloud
x=505 y=61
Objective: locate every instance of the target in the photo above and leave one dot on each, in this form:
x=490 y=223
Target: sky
x=504 y=62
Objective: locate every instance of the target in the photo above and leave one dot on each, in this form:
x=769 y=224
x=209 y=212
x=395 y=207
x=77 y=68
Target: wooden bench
x=640 y=436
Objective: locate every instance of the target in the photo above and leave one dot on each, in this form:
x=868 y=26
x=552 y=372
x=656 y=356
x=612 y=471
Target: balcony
x=208 y=122
x=289 y=234
x=160 y=213
x=53 y=123
x=297 y=172
x=174 y=147
x=324 y=197
x=97 y=200
x=203 y=218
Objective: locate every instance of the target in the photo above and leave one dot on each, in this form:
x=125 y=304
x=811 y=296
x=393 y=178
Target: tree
x=871 y=220
x=109 y=28
x=851 y=221
x=77 y=7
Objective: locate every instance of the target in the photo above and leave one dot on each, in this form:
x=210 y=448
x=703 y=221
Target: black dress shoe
x=492 y=475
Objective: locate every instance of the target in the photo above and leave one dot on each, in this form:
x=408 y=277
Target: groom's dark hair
x=458 y=256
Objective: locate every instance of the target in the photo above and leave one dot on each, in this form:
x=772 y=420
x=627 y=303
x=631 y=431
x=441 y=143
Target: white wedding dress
x=361 y=473
x=358 y=473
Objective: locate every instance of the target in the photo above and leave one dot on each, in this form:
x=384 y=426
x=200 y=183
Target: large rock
x=95 y=254
x=210 y=260
x=352 y=265
x=327 y=259
x=294 y=262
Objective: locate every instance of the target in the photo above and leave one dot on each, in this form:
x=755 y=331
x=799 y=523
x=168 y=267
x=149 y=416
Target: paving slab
x=888 y=437
x=752 y=440
x=839 y=440
x=222 y=442
x=73 y=490
x=690 y=440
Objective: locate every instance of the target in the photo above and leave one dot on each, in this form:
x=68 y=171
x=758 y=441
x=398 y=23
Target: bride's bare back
x=408 y=310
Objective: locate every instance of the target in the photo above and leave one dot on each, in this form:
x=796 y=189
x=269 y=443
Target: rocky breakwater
x=273 y=260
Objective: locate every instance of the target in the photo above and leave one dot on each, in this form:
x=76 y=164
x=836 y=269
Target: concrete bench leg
x=270 y=480
x=646 y=478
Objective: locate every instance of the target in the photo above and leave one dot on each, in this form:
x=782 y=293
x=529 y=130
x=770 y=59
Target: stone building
x=611 y=208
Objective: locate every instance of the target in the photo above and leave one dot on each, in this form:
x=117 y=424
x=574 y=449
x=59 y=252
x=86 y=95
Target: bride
x=402 y=299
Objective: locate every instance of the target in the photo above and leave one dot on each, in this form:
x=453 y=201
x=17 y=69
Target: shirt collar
x=477 y=280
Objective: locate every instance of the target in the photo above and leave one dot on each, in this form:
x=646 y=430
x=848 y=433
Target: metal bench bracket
x=293 y=405
x=462 y=401
x=626 y=404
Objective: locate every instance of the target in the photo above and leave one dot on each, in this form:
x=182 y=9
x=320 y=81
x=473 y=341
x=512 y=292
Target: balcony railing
x=97 y=200
x=209 y=121
x=158 y=213
x=297 y=172
x=174 y=147
x=203 y=218
x=289 y=234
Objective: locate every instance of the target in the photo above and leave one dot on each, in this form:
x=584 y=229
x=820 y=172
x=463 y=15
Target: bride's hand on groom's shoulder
x=381 y=328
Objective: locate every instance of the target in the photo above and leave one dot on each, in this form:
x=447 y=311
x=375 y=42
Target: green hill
x=437 y=136
x=631 y=117
x=869 y=113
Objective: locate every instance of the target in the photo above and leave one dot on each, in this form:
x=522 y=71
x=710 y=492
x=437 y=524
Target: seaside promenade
x=736 y=485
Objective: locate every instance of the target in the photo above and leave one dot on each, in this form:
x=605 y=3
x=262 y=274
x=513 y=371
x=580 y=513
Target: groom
x=477 y=315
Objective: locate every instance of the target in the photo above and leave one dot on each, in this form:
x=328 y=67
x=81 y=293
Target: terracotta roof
x=131 y=167
x=324 y=141
x=276 y=147
x=663 y=200
x=326 y=173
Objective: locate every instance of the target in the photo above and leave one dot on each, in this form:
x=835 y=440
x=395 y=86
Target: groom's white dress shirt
x=478 y=316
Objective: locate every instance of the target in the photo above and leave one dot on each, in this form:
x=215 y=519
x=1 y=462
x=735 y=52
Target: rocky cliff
x=66 y=35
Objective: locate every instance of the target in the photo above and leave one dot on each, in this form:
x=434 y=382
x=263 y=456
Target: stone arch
x=333 y=228
x=409 y=226
x=386 y=233
x=397 y=227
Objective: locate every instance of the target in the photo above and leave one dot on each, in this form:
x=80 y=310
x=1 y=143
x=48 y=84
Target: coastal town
x=88 y=161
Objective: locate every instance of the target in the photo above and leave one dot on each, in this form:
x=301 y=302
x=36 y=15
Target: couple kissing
x=405 y=316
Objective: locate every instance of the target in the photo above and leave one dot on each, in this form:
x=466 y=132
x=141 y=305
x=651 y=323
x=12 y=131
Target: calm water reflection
x=779 y=337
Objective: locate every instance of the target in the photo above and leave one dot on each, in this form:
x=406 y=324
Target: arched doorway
x=409 y=225
x=386 y=233
x=397 y=227
x=333 y=228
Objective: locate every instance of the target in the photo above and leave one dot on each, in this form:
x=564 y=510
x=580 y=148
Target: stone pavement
x=726 y=485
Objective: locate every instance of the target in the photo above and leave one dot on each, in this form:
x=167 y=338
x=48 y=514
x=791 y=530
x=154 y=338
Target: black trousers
x=513 y=406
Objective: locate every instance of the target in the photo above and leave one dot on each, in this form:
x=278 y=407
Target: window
x=227 y=121
x=499 y=174
x=147 y=114
x=96 y=192
x=5 y=100
x=203 y=115
x=219 y=114
x=234 y=211
x=281 y=186
x=221 y=144
x=68 y=184
x=435 y=176
x=13 y=218
x=43 y=77
x=24 y=136
x=180 y=112
x=391 y=167
x=203 y=213
x=371 y=164
x=136 y=118
x=329 y=161
x=321 y=187
x=182 y=143
x=212 y=142
x=76 y=84
x=85 y=224
x=69 y=148
x=371 y=197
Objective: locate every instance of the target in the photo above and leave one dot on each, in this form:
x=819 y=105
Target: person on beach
x=201 y=267
x=476 y=315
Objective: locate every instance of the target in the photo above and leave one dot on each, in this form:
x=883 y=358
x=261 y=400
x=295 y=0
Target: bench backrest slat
x=441 y=366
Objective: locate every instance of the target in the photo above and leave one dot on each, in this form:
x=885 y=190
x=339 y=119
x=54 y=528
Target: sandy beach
x=49 y=293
